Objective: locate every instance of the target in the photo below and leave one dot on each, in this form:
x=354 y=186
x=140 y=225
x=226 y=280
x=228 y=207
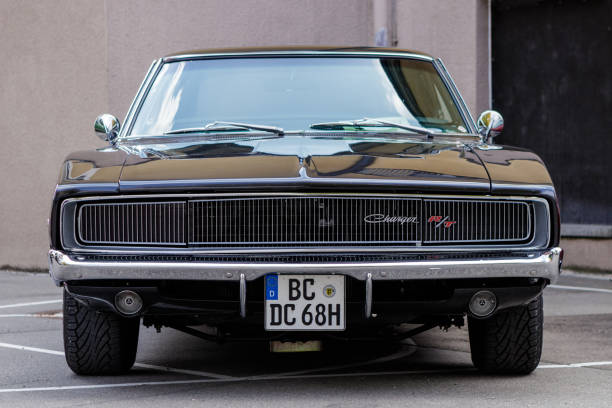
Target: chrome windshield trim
x=135 y=105
x=463 y=108
x=296 y=53
x=158 y=64
x=63 y=267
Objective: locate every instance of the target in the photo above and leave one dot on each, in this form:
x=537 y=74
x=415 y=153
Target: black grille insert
x=305 y=220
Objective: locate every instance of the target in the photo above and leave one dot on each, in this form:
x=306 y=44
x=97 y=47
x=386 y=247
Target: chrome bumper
x=63 y=267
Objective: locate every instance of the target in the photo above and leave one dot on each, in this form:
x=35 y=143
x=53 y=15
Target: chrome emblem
x=391 y=219
x=323 y=223
x=441 y=221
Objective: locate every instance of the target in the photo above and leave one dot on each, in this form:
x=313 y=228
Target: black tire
x=510 y=342
x=96 y=342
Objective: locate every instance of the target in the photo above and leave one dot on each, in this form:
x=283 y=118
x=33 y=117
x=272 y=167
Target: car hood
x=514 y=170
x=296 y=161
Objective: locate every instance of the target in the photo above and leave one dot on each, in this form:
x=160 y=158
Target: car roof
x=293 y=50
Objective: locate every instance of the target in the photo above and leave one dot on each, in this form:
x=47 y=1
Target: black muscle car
x=300 y=195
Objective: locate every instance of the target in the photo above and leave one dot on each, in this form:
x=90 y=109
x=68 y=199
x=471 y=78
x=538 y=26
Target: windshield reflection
x=293 y=93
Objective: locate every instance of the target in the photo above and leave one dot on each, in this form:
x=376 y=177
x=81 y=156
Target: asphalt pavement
x=431 y=369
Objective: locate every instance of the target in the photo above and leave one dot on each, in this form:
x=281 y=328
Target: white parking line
x=94 y=386
x=235 y=379
x=580 y=288
x=35 y=349
x=39 y=315
x=282 y=377
x=141 y=365
x=182 y=371
x=395 y=356
x=576 y=365
x=361 y=374
x=43 y=302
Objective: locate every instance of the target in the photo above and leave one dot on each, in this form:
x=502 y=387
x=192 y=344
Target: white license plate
x=304 y=302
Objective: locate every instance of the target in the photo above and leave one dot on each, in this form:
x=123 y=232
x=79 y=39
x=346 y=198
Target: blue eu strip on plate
x=271 y=287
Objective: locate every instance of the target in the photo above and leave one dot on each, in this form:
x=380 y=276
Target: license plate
x=304 y=302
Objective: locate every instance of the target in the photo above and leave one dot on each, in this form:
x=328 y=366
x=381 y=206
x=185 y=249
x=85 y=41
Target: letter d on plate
x=271 y=287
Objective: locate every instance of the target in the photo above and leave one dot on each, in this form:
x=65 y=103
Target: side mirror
x=490 y=125
x=107 y=128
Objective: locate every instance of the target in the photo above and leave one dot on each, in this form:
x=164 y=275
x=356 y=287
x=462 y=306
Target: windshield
x=294 y=93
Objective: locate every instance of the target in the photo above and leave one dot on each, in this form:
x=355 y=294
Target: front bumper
x=546 y=265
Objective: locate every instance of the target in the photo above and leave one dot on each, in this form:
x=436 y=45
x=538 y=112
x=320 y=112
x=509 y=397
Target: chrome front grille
x=158 y=223
x=476 y=221
x=305 y=221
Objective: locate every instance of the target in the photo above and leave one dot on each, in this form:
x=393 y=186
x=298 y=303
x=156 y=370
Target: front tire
x=97 y=342
x=510 y=342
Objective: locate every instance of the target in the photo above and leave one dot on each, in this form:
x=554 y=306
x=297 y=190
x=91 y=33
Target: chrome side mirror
x=490 y=125
x=107 y=128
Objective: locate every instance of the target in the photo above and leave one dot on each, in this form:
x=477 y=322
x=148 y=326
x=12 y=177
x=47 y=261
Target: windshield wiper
x=227 y=126
x=366 y=122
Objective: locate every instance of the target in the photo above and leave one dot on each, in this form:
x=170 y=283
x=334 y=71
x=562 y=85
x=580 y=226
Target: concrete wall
x=141 y=30
x=53 y=83
x=67 y=61
x=457 y=32
x=590 y=254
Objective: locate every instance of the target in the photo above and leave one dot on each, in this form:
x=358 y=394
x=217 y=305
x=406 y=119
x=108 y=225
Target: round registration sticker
x=329 y=291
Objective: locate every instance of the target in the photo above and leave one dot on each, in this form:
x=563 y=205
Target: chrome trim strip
x=298 y=53
x=243 y=293
x=297 y=250
x=129 y=117
x=147 y=184
x=298 y=194
x=368 y=296
x=410 y=248
x=63 y=267
x=463 y=108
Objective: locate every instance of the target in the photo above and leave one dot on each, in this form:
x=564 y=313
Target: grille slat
x=305 y=221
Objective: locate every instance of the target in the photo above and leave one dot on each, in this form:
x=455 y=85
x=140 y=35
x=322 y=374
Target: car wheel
x=509 y=342
x=97 y=342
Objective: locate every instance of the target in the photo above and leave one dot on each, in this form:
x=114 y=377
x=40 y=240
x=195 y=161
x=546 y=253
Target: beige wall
x=582 y=253
x=457 y=32
x=138 y=32
x=67 y=61
x=53 y=81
